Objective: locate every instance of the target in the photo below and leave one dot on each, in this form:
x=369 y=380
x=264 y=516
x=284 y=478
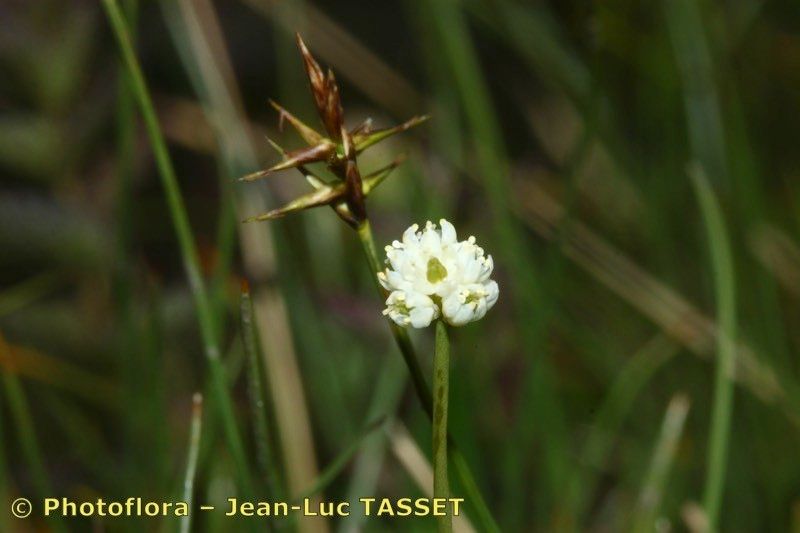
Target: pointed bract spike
x=376 y=178
x=315 y=75
x=314 y=181
x=325 y=92
x=295 y=158
x=364 y=141
x=303 y=156
x=317 y=198
x=312 y=178
x=308 y=133
x=314 y=70
x=256 y=175
x=277 y=147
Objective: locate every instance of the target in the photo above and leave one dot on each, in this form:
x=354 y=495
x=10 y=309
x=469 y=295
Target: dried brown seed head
x=325 y=92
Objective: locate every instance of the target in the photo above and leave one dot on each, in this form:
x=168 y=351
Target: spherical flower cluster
x=431 y=274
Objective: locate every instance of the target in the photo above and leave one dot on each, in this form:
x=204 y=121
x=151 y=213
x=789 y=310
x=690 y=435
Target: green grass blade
x=336 y=466
x=725 y=295
x=540 y=399
x=655 y=483
x=532 y=31
x=200 y=43
x=703 y=110
x=191 y=263
x=258 y=406
x=26 y=433
x=81 y=434
x=134 y=366
x=191 y=460
x=384 y=402
x=607 y=424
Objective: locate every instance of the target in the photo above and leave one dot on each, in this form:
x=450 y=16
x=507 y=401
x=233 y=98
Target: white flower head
x=431 y=273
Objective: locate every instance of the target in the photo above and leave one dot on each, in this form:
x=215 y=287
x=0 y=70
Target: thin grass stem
x=663 y=455
x=191 y=460
x=191 y=263
x=384 y=402
x=198 y=37
x=26 y=433
x=264 y=442
x=330 y=473
x=725 y=296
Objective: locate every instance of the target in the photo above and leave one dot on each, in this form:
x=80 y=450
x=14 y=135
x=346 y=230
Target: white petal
x=471 y=272
x=431 y=241
x=395 y=280
x=450 y=304
x=448 y=233
x=421 y=316
x=410 y=235
x=488 y=267
x=463 y=316
x=493 y=292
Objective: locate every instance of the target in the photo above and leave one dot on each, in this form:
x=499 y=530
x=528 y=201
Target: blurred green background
x=560 y=137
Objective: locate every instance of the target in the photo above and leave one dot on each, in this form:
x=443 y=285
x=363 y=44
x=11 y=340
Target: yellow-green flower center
x=473 y=297
x=436 y=270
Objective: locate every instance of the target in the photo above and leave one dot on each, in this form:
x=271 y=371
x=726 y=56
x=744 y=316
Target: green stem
x=653 y=489
x=180 y=219
x=441 y=391
x=191 y=460
x=132 y=365
x=21 y=413
x=264 y=448
x=400 y=335
x=724 y=289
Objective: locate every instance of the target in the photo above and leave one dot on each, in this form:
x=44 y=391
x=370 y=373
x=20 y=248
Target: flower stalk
x=423 y=391
x=400 y=335
x=346 y=194
x=441 y=393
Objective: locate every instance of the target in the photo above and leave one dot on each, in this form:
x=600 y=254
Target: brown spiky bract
x=338 y=150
